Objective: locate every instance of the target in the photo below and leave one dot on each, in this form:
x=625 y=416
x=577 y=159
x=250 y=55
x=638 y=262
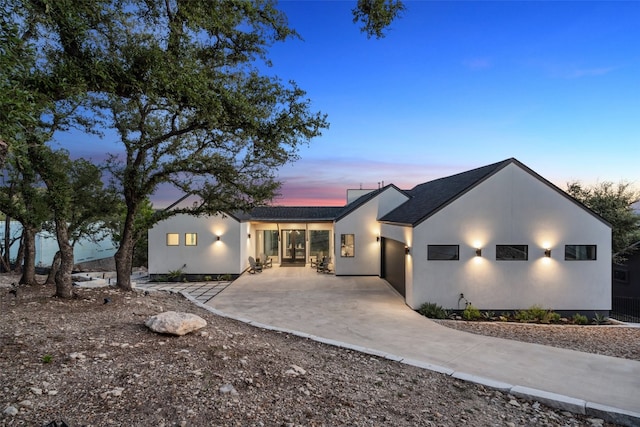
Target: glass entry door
x=294 y=247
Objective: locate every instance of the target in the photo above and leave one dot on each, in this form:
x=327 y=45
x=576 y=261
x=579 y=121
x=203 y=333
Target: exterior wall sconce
x=249 y=236
x=478 y=252
x=217 y=238
x=407 y=250
x=377 y=238
x=547 y=253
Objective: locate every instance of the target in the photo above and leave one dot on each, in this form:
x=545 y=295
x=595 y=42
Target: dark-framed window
x=620 y=275
x=347 y=245
x=173 y=239
x=319 y=243
x=580 y=252
x=443 y=252
x=512 y=252
x=191 y=239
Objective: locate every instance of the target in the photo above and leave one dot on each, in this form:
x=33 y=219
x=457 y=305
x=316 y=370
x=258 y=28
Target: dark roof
x=424 y=200
x=428 y=198
x=364 y=199
x=295 y=213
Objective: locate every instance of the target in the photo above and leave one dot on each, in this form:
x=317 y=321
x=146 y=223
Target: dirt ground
x=91 y=361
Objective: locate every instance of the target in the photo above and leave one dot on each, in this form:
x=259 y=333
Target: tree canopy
x=614 y=203
x=179 y=80
x=377 y=15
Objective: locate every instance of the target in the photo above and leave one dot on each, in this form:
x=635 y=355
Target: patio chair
x=323 y=266
x=315 y=260
x=266 y=261
x=254 y=267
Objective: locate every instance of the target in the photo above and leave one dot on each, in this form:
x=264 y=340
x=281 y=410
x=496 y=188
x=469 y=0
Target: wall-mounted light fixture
x=407 y=250
x=547 y=253
x=377 y=238
x=478 y=252
x=218 y=238
x=249 y=236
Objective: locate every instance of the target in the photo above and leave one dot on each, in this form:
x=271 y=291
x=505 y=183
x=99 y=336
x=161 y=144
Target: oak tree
x=614 y=203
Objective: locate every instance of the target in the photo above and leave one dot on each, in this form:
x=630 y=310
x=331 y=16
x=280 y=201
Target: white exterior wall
x=209 y=256
x=512 y=207
x=363 y=223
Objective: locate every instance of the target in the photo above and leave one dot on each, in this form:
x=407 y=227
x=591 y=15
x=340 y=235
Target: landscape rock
x=175 y=323
x=25 y=404
x=228 y=389
x=11 y=411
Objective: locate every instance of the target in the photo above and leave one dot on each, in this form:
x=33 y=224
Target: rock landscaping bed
x=91 y=361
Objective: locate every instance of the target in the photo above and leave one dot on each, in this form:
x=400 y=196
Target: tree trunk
x=29 y=245
x=124 y=255
x=7 y=244
x=4 y=150
x=64 y=285
x=55 y=266
x=17 y=265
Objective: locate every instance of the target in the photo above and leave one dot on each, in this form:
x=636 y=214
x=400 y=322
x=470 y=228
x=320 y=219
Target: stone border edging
x=558 y=401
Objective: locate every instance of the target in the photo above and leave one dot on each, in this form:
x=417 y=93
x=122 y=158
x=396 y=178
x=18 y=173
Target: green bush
x=174 y=275
x=471 y=313
x=432 y=311
x=599 y=319
x=537 y=314
x=488 y=315
x=552 y=317
x=579 y=319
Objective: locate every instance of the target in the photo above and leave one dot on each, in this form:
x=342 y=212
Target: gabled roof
x=294 y=213
x=346 y=210
x=430 y=197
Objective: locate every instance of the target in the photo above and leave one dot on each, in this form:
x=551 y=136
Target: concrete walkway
x=365 y=313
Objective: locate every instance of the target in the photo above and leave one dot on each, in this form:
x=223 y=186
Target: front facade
x=500 y=237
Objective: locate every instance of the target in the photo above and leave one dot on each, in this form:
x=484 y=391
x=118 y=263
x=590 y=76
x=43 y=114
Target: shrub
x=432 y=311
x=552 y=317
x=174 y=275
x=599 y=319
x=47 y=358
x=488 y=315
x=579 y=319
x=535 y=313
x=207 y=278
x=471 y=313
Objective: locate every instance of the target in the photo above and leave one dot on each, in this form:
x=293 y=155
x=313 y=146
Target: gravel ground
x=609 y=340
x=95 y=364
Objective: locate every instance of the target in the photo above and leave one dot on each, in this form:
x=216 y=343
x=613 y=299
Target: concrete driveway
x=367 y=313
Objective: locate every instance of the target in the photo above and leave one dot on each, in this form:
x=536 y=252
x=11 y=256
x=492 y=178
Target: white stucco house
x=500 y=235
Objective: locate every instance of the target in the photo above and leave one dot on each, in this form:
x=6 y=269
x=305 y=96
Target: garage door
x=393 y=259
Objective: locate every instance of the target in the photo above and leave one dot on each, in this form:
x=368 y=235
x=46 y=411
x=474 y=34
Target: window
x=319 y=243
x=190 y=239
x=173 y=239
x=270 y=239
x=620 y=275
x=443 y=252
x=580 y=252
x=512 y=252
x=347 y=245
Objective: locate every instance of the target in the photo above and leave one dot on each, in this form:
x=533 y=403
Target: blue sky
x=457 y=85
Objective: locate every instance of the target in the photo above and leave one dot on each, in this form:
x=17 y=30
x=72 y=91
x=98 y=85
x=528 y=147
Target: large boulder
x=174 y=323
